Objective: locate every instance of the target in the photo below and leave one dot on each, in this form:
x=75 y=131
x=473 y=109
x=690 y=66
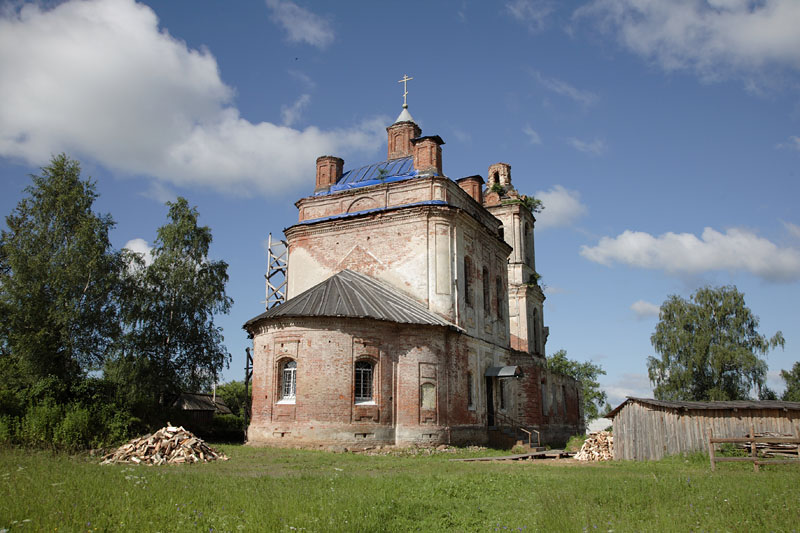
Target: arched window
x=467 y=281
x=498 y=281
x=289 y=380
x=363 y=382
x=487 y=299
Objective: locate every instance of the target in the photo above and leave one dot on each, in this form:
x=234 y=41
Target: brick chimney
x=472 y=185
x=500 y=173
x=428 y=154
x=329 y=170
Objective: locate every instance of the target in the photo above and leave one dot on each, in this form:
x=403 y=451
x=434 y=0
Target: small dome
x=405 y=116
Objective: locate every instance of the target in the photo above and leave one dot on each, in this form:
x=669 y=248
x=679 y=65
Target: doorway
x=489 y=402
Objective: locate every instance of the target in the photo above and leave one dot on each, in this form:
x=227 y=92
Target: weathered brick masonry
x=414 y=314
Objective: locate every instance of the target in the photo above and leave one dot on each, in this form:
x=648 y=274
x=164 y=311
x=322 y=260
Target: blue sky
x=663 y=137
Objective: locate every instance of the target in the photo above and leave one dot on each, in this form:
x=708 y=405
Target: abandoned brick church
x=413 y=313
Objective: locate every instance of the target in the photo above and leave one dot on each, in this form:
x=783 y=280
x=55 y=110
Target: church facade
x=413 y=311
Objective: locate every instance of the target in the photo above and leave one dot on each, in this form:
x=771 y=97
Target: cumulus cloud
x=684 y=253
x=631 y=384
x=292 y=113
x=565 y=89
x=593 y=147
x=532 y=13
x=533 y=136
x=644 y=309
x=792 y=143
x=793 y=229
x=98 y=79
x=714 y=38
x=301 y=25
x=562 y=207
x=140 y=246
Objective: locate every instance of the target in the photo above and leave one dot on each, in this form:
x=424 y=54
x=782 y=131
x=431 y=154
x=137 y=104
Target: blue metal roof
x=383 y=172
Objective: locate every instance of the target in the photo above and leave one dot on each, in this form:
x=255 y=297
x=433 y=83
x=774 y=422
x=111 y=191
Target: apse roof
x=351 y=294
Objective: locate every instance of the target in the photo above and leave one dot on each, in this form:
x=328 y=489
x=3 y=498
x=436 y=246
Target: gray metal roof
x=354 y=295
x=734 y=404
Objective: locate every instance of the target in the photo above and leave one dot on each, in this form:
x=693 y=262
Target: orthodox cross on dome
x=405 y=81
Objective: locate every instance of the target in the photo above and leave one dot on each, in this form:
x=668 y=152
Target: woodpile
x=168 y=445
x=772 y=449
x=597 y=447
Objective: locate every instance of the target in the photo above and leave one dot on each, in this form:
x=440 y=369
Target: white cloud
x=292 y=113
x=593 y=147
x=635 y=385
x=792 y=143
x=644 y=309
x=562 y=207
x=684 y=253
x=532 y=13
x=98 y=79
x=533 y=136
x=563 y=88
x=714 y=38
x=793 y=229
x=462 y=136
x=141 y=247
x=300 y=24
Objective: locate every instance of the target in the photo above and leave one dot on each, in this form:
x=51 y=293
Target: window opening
x=499 y=289
x=289 y=381
x=470 y=391
x=467 y=281
x=487 y=303
x=363 y=382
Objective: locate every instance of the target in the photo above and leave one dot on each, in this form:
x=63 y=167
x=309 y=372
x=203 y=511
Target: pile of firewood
x=772 y=449
x=597 y=447
x=168 y=445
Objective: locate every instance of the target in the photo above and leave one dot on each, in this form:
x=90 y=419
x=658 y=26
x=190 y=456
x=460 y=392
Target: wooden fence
x=754 y=458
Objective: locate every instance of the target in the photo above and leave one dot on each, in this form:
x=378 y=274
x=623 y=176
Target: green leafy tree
x=594 y=399
x=792 y=379
x=235 y=396
x=171 y=342
x=709 y=347
x=58 y=278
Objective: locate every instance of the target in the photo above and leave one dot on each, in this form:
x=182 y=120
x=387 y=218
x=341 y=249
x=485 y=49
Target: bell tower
x=525 y=296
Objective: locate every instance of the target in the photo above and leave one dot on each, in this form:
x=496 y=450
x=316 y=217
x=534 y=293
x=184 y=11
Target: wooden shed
x=651 y=429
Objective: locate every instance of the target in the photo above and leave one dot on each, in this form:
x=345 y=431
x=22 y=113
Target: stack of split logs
x=597 y=447
x=168 y=445
x=773 y=449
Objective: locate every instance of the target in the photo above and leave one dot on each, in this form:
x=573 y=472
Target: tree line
x=95 y=343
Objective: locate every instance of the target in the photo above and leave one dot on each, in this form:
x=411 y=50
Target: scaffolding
x=277 y=267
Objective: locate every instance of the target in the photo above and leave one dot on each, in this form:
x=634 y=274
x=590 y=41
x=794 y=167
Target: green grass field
x=291 y=490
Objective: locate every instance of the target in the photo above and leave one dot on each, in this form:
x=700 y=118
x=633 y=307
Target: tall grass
x=293 y=490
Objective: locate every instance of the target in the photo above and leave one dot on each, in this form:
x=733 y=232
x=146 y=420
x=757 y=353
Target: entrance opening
x=489 y=402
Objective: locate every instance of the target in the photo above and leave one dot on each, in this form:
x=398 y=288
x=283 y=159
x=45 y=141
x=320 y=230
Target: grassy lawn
x=291 y=490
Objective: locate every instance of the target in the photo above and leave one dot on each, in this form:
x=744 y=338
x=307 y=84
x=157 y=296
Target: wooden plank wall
x=646 y=432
